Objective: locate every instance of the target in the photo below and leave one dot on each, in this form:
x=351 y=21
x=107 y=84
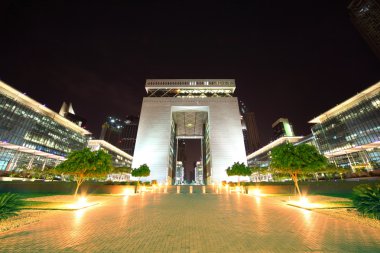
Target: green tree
x=296 y=160
x=122 y=170
x=142 y=171
x=238 y=169
x=84 y=164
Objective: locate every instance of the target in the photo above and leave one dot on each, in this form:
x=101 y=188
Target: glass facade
x=121 y=133
x=26 y=126
x=350 y=136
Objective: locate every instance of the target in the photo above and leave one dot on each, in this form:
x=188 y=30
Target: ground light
x=128 y=191
x=81 y=203
x=257 y=192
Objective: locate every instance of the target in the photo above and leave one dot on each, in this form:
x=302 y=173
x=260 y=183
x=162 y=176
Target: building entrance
x=189 y=146
x=189 y=162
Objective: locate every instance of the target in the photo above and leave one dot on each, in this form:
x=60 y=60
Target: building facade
x=189 y=108
x=349 y=133
x=282 y=128
x=250 y=130
x=32 y=135
x=365 y=15
x=121 y=133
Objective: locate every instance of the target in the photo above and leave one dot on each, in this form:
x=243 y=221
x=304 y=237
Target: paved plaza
x=191 y=223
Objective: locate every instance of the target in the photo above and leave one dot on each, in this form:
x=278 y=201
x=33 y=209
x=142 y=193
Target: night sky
x=293 y=59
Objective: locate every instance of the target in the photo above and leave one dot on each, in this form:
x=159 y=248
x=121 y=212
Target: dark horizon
x=291 y=60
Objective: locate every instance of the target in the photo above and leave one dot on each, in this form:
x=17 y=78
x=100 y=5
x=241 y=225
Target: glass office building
x=349 y=133
x=32 y=135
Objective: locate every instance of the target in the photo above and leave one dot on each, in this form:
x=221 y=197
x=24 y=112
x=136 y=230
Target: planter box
x=16 y=179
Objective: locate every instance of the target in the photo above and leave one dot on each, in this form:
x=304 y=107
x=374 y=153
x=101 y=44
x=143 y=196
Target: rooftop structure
x=271 y=145
x=347 y=104
x=190 y=87
x=282 y=128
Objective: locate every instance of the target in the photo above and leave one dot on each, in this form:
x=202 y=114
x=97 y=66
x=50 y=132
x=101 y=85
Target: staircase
x=185 y=189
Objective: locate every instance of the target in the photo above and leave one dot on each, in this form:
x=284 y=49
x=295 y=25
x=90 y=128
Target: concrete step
x=196 y=189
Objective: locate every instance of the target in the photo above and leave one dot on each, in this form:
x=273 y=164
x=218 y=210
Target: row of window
x=190 y=83
x=23 y=126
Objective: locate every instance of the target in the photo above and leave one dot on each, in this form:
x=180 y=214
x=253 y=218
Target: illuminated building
x=121 y=133
x=198 y=173
x=365 y=15
x=119 y=158
x=202 y=109
x=179 y=173
x=349 y=133
x=32 y=135
x=282 y=128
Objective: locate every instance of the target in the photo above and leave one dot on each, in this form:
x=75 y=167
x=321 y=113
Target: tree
x=122 y=170
x=84 y=164
x=238 y=169
x=296 y=160
x=142 y=171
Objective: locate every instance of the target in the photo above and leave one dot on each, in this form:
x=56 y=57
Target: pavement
x=157 y=222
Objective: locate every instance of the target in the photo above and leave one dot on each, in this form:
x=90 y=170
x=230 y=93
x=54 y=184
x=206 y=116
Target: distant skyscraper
x=365 y=15
x=282 y=128
x=67 y=111
x=249 y=128
x=198 y=171
x=121 y=133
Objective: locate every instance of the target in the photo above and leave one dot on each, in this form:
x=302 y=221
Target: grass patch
x=36 y=195
x=337 y=195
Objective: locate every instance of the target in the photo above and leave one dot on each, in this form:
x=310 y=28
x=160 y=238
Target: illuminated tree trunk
x=79 y=180
x=295 y=180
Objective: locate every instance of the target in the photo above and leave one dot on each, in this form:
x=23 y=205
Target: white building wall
x=153 y=136
x=226 y=137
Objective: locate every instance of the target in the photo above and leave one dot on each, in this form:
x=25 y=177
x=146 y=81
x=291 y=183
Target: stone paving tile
x=191 y=223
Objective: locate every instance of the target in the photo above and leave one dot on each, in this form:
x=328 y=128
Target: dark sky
x=293 y=59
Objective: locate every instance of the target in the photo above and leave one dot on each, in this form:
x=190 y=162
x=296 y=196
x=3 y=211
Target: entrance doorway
x=189 y=147
x=189 y=169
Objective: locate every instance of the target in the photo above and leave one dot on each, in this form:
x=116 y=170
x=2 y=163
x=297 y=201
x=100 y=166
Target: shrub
x=366 y=199
x=10 y=205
